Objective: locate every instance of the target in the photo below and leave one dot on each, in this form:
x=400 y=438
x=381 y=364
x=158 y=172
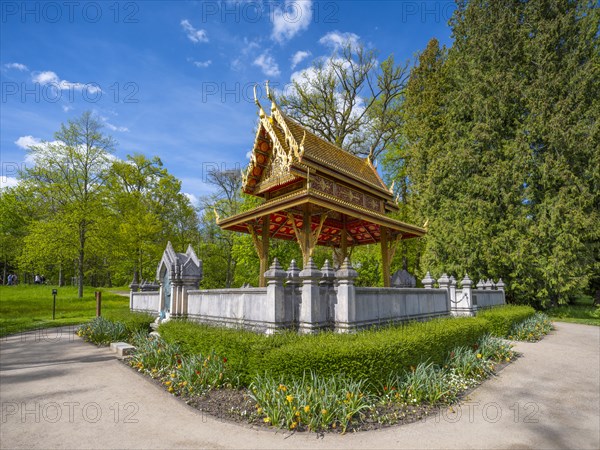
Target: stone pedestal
x=312 y=310
x=275 y=303
x=345 y=309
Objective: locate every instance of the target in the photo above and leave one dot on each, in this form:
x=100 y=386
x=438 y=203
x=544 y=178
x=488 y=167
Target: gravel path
x=58 y=392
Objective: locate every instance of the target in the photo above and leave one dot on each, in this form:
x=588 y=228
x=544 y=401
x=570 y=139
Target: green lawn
x=26 y=307
x=582 y=311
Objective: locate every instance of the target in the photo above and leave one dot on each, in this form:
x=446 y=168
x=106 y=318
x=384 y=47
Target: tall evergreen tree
x=502 y=146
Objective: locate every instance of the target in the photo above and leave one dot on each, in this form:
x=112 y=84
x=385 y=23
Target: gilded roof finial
x=216 y=214
x=268 y=91
x=261 y=111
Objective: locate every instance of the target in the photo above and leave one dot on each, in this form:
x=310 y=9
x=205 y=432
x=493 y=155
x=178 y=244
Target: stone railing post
x=312 y=312
x=292 y=286
x=444 y=283
x=500 y=286
x=133 y=287
x=428 y=282
x=275 y=303
x=327 y=294
x=452 y=290
x=345 y=309
x=464 y=300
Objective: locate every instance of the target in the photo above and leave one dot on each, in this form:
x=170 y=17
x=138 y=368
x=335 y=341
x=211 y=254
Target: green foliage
x=103 y=331
x=182 y=375
x=576 y=313
x=502 y=319
x=501 y=147
x=495 y=349
x=241 y=347
x=373 y=354
x=310 y=402
x=425 y=383
x=531 y=329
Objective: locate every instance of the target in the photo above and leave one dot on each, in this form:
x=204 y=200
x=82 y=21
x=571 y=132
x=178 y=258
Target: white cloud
x=195 y=201
x=267 y=64
x=202 y=64
x=112 y=127
x=17 y=66
x=25 y=142
x=298 y=57
x=337 y=39
x=290 y=19
x=51 y=78
x=194 y=35
x=66 y=108
x=6 y=182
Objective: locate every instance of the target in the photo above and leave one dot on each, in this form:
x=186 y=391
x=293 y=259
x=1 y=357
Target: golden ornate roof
x=284 y=150
x=299 y=173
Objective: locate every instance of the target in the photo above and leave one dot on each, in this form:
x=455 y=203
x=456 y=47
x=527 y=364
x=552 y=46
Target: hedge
x=133 y=321
x=370 y=355
x=502 y=319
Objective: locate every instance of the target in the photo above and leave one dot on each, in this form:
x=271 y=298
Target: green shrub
x=310 y=402
x=372 y=355
x=101 y=331
x=180 y=374
x=133 y=321
x=241 y=347
x=531 y=329
x=495 y=349
x=502 y=319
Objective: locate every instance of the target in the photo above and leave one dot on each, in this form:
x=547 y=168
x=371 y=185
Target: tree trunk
x=61 y=281
x=81 y=259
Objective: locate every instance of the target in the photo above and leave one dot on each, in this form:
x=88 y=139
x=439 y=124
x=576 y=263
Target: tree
x=501 y=156
x=69 y=176
x=217 y=246
x=350 y=100
x=149 y=210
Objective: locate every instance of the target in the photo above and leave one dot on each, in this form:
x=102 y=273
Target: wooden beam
x=385 y=257
x=261 y=245
x=264 y=256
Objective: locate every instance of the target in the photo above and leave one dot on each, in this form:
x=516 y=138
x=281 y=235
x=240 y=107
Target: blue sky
x=174 y=79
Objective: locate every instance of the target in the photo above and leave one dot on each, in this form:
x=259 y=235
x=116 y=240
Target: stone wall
x=145 y=302
x=319 y=299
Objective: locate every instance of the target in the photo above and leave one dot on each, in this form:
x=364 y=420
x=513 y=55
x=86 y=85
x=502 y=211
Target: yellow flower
x=289 y=398
x=293 y=425
x=184 y=383
x=170 y=389
x=507 y=359
x=282 y=388
x=168 y=383
x=323 y=411
x=307 y=408
x=267 y=419
x=179 y=366
x=479 y=355
x=348 y=395
x=259 y=410
x=297 y=413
